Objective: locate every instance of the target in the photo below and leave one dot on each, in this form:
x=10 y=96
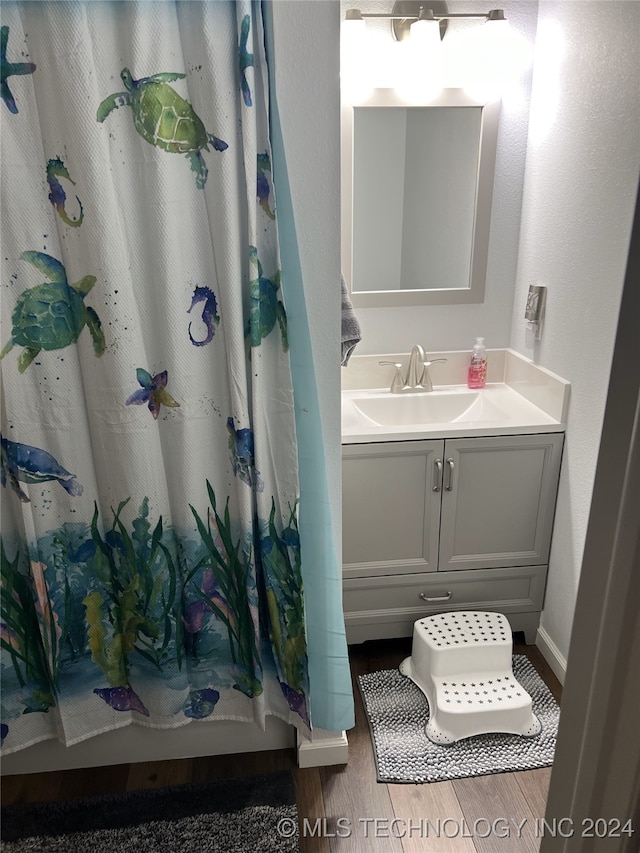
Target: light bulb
x=355 y=85
x=421 y=79
x=500 y=56
x=425 y=34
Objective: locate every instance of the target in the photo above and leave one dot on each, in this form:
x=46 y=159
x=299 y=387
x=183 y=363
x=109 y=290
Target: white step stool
x=462 y=663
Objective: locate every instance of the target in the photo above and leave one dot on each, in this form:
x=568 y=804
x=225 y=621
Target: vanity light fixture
x=407 y=13
x=488 y=57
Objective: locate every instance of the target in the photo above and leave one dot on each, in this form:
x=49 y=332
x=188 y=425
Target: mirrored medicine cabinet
x=417 y=187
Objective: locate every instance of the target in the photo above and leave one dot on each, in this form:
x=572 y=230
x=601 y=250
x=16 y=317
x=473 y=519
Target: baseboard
x=551 y=653
x=324 y=749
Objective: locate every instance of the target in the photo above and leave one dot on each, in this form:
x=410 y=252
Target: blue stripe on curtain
x=331 y=695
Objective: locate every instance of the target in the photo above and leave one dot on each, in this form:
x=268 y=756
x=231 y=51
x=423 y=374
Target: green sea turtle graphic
x=164 y=119
x=51 y=315
x=265 y=307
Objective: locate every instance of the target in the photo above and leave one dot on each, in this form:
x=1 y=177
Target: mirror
x=417 y=184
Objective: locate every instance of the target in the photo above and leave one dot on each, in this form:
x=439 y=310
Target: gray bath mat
x=398 y=711
x=256 y=813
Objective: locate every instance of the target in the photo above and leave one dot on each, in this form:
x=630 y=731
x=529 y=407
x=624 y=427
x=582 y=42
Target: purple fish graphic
x=296 y=701
x=22 y=462
x=195 y=616
x=121 y=699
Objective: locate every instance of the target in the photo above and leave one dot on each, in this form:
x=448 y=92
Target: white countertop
x=523 y=399
x=496 y=410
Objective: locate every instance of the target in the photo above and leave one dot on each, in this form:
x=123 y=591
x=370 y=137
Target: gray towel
x=350 y=336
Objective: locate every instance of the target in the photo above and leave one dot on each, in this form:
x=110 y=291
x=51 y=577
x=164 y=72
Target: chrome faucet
x=417 y=377
x=416 y=371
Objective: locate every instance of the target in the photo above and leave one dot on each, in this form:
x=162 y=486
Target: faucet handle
x=398 y=382
x=426 y=378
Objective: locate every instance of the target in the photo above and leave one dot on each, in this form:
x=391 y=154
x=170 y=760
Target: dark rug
x=256 y=814
x=398 y=711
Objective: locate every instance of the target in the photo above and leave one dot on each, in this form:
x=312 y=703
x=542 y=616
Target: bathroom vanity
x=449 y=495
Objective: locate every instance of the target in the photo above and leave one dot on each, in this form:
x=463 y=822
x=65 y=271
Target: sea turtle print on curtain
x=164 y=119
x=151 y=559
x=51 y=315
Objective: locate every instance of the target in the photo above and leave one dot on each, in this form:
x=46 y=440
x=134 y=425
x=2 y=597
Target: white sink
x=431 y=407
x=521 y=398
x=375 y=414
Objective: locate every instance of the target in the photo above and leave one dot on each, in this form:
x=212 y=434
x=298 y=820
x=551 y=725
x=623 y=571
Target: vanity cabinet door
x=498 y=501
x=391 y=507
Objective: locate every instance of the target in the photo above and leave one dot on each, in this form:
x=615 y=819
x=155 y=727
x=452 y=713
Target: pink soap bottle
x=477 y=376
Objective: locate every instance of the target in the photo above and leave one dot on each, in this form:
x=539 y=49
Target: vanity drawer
x=387 y=606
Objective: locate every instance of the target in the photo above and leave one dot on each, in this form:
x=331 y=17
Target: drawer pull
x=438 y=464
x=436 y=598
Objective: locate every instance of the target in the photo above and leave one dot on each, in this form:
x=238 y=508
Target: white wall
x=580 y=185
x=448 y=327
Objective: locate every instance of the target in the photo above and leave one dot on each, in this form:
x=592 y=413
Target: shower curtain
x=151 y=553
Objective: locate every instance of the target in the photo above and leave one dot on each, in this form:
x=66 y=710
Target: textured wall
x=441 y=327
x=580 y=184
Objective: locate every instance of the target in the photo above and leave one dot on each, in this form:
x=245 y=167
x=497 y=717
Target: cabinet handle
x=452 y=467
x=436 y=598
x=438 y=464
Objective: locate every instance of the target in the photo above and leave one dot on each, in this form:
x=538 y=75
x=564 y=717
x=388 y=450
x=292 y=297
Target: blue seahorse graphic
x=209 y=314
x=57 y=195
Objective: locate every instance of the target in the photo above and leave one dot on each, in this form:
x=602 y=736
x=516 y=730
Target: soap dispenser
x=477 y=375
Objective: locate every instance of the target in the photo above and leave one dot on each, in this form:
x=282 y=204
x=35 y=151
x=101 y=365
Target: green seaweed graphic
x=133 y=610
x=229 y=601
x=281 y=565
x=33 y=651
x=132 y=601
x=63 y=550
